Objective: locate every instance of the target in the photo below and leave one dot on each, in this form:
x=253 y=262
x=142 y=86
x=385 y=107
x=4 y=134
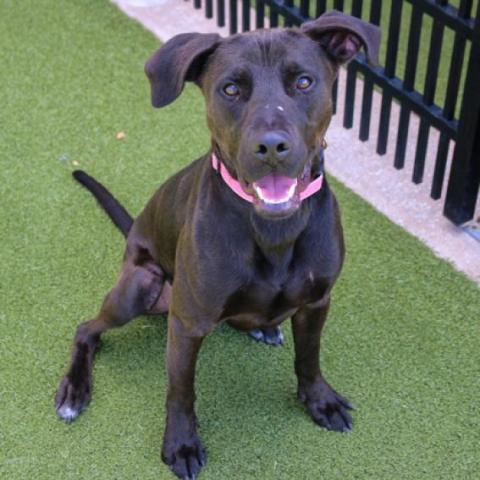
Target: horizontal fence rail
x=424 y=41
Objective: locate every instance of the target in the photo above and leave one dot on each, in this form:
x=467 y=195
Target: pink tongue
x=274 y=186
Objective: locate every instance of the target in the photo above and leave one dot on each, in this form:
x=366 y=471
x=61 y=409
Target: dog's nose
x=272 y=145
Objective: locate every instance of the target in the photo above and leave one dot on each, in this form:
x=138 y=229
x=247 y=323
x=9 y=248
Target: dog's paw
x=184 y=456
x=326 y=407
x=72 y=398
x=270 y=336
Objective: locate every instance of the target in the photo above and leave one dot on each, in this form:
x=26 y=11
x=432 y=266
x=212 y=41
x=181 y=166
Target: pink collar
x=234 y=185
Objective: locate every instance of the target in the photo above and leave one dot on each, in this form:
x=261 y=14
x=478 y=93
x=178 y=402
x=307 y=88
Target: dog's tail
x=119 y=216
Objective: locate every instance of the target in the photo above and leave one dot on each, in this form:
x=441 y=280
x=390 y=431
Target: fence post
x=464 y=180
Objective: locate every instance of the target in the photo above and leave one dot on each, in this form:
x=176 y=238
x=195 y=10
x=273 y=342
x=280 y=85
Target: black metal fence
x=450 y=53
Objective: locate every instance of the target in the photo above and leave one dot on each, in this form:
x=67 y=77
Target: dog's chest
x=270 y=296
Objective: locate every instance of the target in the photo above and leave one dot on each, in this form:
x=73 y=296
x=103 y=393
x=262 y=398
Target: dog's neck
x=276 y=237
x=276 y=234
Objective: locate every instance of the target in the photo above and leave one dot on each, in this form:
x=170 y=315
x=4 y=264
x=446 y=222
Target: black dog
x=250 y=233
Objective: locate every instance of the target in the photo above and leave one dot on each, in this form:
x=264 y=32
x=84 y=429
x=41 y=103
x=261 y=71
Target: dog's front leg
x=182 y=449
x=327 y=408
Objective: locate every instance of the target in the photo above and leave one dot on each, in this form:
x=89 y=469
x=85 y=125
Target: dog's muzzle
x=274 y=192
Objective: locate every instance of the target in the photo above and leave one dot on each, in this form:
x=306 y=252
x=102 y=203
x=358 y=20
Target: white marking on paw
x=275 y=340
x=67 y=413
x=257 y=334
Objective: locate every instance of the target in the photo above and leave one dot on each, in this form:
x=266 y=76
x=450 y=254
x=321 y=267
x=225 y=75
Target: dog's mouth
x=276 y=194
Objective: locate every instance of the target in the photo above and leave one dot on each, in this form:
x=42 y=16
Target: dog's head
x=268 y=97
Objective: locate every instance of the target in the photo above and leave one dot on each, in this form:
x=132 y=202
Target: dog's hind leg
x=138 y=291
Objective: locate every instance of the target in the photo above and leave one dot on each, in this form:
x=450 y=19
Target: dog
x=250 y=233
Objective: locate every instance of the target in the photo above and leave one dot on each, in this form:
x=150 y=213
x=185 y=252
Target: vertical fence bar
x=197 y=3
x=289 y=4
x=375 y=15
x=320 y=7
x=433 y=63
x=233 y=17
x=464 y=180
x=338 y=5
x=440 y=165
x=351 y=77
x=408 y=83
x=375 y=11
x=273 y=17
x=390 y=64
x=350 y=95
x=465 y=9
x=305 y=8
x=357 y=8
x=221 y=13
x=209 y=8
x=454 y=76
x=260 y=14
x=245 y=15
x=334 y=96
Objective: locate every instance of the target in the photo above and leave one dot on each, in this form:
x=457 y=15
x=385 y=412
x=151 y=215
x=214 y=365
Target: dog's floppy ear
x=180 y=60
x=342 y=36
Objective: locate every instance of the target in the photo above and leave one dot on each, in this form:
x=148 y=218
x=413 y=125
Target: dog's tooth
x=288 y=196
x=258 y=190
x=291 y=190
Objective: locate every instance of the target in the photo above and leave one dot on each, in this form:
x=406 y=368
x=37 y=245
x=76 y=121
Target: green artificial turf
x=401 y=342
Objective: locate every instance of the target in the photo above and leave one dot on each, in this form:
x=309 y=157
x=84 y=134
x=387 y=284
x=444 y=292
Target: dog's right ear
x=180 y=60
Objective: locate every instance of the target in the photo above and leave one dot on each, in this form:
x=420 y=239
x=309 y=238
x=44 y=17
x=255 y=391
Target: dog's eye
x=304 y=82
x=231 y=90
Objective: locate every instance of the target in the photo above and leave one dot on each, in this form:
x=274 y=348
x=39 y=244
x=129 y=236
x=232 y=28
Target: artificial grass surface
x=401 y=342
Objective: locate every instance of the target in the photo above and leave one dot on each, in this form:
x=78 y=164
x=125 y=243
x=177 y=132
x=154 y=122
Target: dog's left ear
x=342 y=36
x=180 y=60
